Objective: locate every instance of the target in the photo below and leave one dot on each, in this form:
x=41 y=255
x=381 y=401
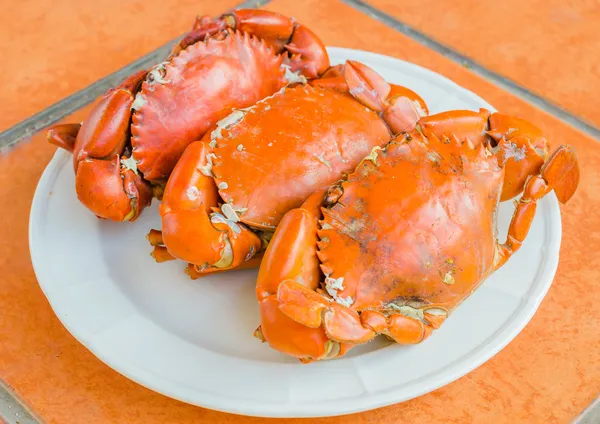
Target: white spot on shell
x=229 y=213
x=512 y=151
x=155 y=75
x=324 y=161
x=239 y=211
x=130 y=163
x=229 y=121
x=333 y=285
x=240 y=147
x=235 y=227
x=438 y=312
x=346 y=301
x=406 y=310
x=326 y=226
x=226 y=255
x=139 y=102
x=448 y=278
x=293 y=77
x=420 y=110
x=217 y=218
x=223 y=185
x=373 y=155
x=193 y=193
x=207 y=169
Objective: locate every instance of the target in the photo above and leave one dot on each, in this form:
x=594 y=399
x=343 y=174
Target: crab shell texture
x=415 y=226
x=278 y=152
x=182 y=98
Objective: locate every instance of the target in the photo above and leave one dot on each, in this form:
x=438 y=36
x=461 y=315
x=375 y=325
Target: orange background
x=548 y=374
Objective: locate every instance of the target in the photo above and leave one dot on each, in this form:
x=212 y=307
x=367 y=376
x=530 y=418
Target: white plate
x=192 y=340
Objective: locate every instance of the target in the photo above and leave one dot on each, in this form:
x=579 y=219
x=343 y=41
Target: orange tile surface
x=52 y=49
x=549 y=46
x=548 y=374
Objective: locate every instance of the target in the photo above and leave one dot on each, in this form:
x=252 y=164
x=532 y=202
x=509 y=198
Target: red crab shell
x=171 y=116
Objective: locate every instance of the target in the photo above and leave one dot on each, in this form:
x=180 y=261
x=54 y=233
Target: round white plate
x=192 y=340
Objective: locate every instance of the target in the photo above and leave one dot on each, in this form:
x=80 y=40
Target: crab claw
x=400 y=107
x=210 y=241
x=111 y=191
x=306 y=53
x=108 y=185
x=292 y=255
x=63 y=136
x=559 y=173
x=520 y=147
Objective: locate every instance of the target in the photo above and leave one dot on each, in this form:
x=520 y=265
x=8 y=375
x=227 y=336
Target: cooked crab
x=136 y=133
x=406 y=237
x=229 y=191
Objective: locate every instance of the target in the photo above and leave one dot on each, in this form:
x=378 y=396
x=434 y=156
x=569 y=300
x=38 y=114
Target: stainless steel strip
x=590 y=415
x=12 y=410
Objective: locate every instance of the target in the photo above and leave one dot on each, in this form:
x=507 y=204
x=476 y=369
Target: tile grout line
x=87 y=95
x=12 y=409
x=491 y=76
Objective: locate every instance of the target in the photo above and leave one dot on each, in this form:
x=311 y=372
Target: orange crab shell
x=267 y=163
x=413 y=225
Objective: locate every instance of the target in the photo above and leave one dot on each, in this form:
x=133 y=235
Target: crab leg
x=106 y=183
x=192 y=230
x=306 y=53
x=63 y=136
x=520 y=147
x=399 y=107
x=462 y=124
x=561 y=174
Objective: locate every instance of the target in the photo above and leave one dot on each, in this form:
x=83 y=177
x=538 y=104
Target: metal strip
x=590 y=415
x=76 y=101
x=12 y=410
x=501 y=81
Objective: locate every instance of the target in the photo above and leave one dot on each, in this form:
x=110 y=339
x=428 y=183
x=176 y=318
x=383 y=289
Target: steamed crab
x=406 y=237
x=131 y=140
x=229 y=191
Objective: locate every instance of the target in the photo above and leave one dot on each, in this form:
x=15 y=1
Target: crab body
x=145 y=124
x=396 y=236
x=285 y=148
x=262 y=161
x=401 y=241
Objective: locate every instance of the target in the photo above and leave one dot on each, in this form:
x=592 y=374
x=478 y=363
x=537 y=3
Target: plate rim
x=456 y=370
